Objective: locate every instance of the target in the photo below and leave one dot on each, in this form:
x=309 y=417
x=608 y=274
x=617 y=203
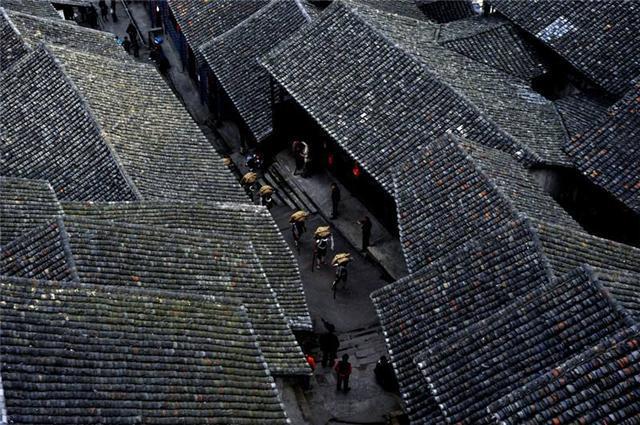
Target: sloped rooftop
x=597 y=38
x=579 y=113
x=232 y=221
x=572 y=392
x=494 y=42
x=49 y=133
x=25 y=204
x=109 y=253
x=454 y=191
x=461 y=287
x=396 y=89
x=608 y=152
x=33 y=7
x=35 y=30
x=233 y=57
x=157 y=142
x=12 y=46
x=442 y=11
x=202 y=21
x=489 y=359
x=92 y=353
x=567 y=249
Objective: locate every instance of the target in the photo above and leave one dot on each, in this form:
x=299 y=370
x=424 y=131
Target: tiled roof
x=41 y=8
x=35 y=30
x=597 y=38
x=609 y=154
x=598 y=385
x=499 y=46
x=100 y=354
x=446 y=10
x=566 y=249
x=624 y=287
x=49 y=133
x=461 y=287
x=41 y=253
x=232 y=221
x=380 y=98
x=157 y=142
x=25 y=204
x=12 y=46
x=233 y=59
x=109 y=253
x=580 y=112
x=202 y=21
x=449 y=194
x=407 y=8
x=489 y=359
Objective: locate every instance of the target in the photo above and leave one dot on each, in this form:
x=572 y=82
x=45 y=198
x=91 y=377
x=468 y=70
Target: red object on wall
x=330 y=160
x=356 y=170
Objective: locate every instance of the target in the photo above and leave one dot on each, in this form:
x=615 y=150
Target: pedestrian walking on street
x=335 y=200
x=343 y=371
x=296 y=150
x=365 y=223
x=135 y=47
x=126 y=44
x=104 y=10
x=385 y=376
x=322 y=239
x=306 y=159
x=298 y=227
x=340 y=261
x=311 y=361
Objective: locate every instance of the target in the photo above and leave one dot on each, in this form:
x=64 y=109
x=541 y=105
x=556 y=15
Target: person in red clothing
x=343 y=371
x=306 y=380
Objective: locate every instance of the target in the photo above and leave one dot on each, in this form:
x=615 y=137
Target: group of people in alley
x=322 y=241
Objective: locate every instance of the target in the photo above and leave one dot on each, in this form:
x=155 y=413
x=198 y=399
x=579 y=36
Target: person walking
x=126 y=44
x=322 y=238
x=365 y=224
x=92 y=17
x=341 y=276
x=335 y=200
x=306 y=158
x=311 y=361
x=104 y=10
x=343 y=372
x=296 y=149
x=329 y=344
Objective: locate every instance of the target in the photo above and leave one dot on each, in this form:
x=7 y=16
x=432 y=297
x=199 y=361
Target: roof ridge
x=55 y=21
x=66 y=246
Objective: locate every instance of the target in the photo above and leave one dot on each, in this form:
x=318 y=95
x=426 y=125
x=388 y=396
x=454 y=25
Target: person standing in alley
x=335 y=200
x=131 y=30
x=329 y=344
x=135 y=47
x=114 y=15
x=104 y=10
x=306 y=158
x=126 y=44
x=343 y=371
x=365 y=223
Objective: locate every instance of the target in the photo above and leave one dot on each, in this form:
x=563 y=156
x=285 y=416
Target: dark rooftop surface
x=233 y=57
x=109 y=253
x=202 y=21
x=454 y=191
x=75 y=353
x=579 y=113
x=486 y=361
x=597 y=385
x=597 y=37
x=494 y=42
x=396 y=88
x=25 y=204
x=33 y=7
x=608 y=153
x=464 y=285
x=446 y=10
x=240 y=223
x=12 y=46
